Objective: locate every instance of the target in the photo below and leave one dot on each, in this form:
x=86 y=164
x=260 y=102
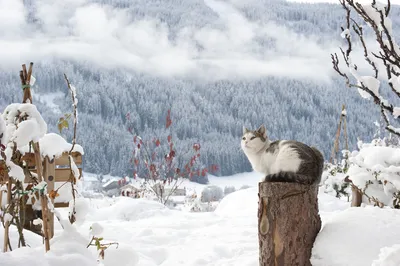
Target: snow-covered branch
x=386 y=59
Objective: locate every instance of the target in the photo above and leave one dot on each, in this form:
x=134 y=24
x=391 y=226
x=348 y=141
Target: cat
x=282 y=160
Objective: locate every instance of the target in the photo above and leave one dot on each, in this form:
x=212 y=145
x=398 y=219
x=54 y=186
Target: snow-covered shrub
x=196 y=205
x=333 y=178
x=373 y=169
x=211 y=193
x=229 y=189
x=244 y=187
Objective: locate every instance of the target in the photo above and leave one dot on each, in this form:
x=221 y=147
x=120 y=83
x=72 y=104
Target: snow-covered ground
x=150 y=234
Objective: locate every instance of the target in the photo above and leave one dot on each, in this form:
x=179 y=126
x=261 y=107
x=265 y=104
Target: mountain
x=218 y=65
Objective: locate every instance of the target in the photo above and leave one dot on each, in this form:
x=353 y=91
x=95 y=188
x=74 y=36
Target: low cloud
x=106 y=36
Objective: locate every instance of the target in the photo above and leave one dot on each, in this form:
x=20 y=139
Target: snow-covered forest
x=211 y=96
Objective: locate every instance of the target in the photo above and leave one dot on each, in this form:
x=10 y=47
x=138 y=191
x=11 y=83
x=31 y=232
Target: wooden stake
x=7 y=225
x=43 y=197
x=25 y=82
x=49 y=176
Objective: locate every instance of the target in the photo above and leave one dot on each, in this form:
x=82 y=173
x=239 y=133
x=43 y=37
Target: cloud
x=108 y=37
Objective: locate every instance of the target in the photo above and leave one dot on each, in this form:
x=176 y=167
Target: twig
x=72 y=218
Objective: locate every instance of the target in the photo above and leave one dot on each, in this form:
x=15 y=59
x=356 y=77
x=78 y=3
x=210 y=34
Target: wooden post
x=25 y=77
x=356 y=197
x=49 y=177
x=288 y=223
x=25 y=82
x=43 y=197
x=7 y=224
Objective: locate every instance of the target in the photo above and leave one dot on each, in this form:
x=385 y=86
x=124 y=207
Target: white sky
x=395 y=2
x=78 y=29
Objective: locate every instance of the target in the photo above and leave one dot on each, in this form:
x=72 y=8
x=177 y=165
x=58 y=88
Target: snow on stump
x=288 y=223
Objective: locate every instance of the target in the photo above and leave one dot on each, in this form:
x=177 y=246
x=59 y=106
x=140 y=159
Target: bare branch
x=359 y=31
x=388 y=54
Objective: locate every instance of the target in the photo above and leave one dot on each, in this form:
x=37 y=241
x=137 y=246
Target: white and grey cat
x=282 y=160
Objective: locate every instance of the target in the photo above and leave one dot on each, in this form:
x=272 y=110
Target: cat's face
x=253 y=140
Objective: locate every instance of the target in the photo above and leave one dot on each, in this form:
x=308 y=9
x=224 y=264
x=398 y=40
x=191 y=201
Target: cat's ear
x=262 y=131
x=245 y=130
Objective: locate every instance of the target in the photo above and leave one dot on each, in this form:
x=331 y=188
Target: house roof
x=129 y=186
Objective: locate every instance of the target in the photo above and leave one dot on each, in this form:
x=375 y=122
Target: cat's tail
x=290 y=177
x=320 y=161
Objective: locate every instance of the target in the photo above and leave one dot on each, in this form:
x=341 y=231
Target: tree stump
x=288 y=223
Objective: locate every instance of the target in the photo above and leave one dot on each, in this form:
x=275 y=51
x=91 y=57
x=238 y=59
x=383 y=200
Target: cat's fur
x=282 y=160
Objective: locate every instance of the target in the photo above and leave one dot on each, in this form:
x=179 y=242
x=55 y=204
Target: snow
x=355 y=236
x=396 y=112
x=376 y=162
x=31 y=129
x=53 y=145
x=149 y=234
x=371 y=83
x=244 y=203
x=14 y=170
x=96 y=229
x=74 y=168
x=7 y=218
x=345 y=33
x=34 y=127
x=395 y=82
x=32 y=80
x=373 y=11
x=389 y=256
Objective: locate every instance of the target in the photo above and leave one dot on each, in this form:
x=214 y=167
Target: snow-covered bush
x=195 y=204
x=244 y=187
x=211 y=193
x=373 y=169
x=333 y=178
x=229 y=189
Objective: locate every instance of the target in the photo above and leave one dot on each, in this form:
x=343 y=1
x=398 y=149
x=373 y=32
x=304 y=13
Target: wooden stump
x=288 y=223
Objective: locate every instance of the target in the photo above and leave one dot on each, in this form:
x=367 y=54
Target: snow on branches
x=384 y=60
x=373 y=170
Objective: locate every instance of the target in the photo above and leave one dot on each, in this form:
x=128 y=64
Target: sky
x=395 y=2
x=83 y=31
